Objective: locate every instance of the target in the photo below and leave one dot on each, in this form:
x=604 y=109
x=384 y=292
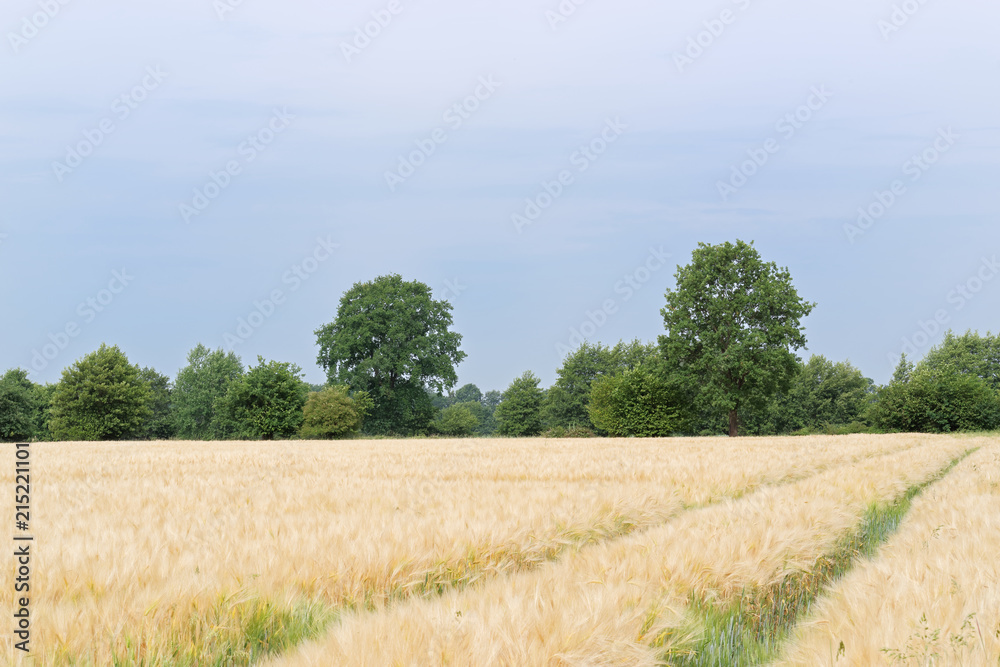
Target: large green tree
x=520 y=410
x=198 y=386
x=267 y=401
x=100 y=397
x=393 y=340
x=733 y=322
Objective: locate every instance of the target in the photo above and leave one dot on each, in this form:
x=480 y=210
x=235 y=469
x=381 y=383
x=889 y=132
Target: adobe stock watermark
x=625 y=288
x=786 y=126
x=296 y=275
x=899 y=17
x=87 y=311
x=582 y=158
x=914 y=167
x=365 y=34
x=223 y=7
x=957 y=298
x=713 y=29
x=455 y=116
x=562 y=12
x=33 y=24
x=248 y=151
x=453 y=289
x=121 y=108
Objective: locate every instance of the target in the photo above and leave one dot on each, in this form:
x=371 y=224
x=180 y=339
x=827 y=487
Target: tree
x=100 y=397
x=391 y=339
x=638 y=402
x=267 y=402
x=732 y=324
x=520 y=410
x=969 y=353
x=468 y=393
x=333 y=413
x=458 y=420
x=160 y=424
x=20 y=402
x=198 y=387
x=487 y=421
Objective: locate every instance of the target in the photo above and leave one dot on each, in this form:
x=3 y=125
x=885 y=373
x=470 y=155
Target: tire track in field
x=635 y=530
x=753 y=629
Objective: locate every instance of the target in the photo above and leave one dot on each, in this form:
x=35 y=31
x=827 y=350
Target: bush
x=333 y=413
x=456 y=421
x=637 y=403
x=267 y=402
x=937 y=400
x=100 y=397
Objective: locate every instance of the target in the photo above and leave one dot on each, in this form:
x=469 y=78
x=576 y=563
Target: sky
x=221 y=172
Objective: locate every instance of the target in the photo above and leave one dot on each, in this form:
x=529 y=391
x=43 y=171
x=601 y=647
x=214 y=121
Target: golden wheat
x=140 y=545
x=603 y=605
x=932 y=596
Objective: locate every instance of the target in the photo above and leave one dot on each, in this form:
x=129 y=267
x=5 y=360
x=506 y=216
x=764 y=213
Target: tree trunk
x=733 y=424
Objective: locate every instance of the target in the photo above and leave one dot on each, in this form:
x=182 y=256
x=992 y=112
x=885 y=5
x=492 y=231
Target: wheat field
x=455 y=552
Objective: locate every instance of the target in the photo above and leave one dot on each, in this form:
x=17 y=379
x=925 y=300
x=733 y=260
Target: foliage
x=160 y=424
x=333 y=413
x=970 y=354
x=939 y=399
x=458 y=420
x=198 y=387
x=20 y=402
x=732 y=323
x=566 y=401
x=100 y=397
x=468 y=393
x=267 y=402
x=638 y=402
x=391 y=338
x=520 y=410
x=823 y=395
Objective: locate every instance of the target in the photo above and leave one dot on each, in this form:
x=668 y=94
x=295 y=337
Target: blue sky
x=167 y=168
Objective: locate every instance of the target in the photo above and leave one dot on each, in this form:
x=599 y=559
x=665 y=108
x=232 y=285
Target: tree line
x=726 y=364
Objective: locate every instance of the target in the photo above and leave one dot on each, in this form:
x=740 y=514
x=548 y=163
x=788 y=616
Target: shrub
x=456 y=421
x=267 y=402
x=333 y=413
x=637 y=403
x=937 y=400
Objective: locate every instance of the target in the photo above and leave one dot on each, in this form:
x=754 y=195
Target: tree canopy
x=201 y=383
x=100 y=397
x=391 y=339
x=267 y=401
x=520 y=410
x=732 y=324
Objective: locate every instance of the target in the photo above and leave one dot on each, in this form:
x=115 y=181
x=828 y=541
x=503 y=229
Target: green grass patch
x=233 y=631
x=751 y=629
